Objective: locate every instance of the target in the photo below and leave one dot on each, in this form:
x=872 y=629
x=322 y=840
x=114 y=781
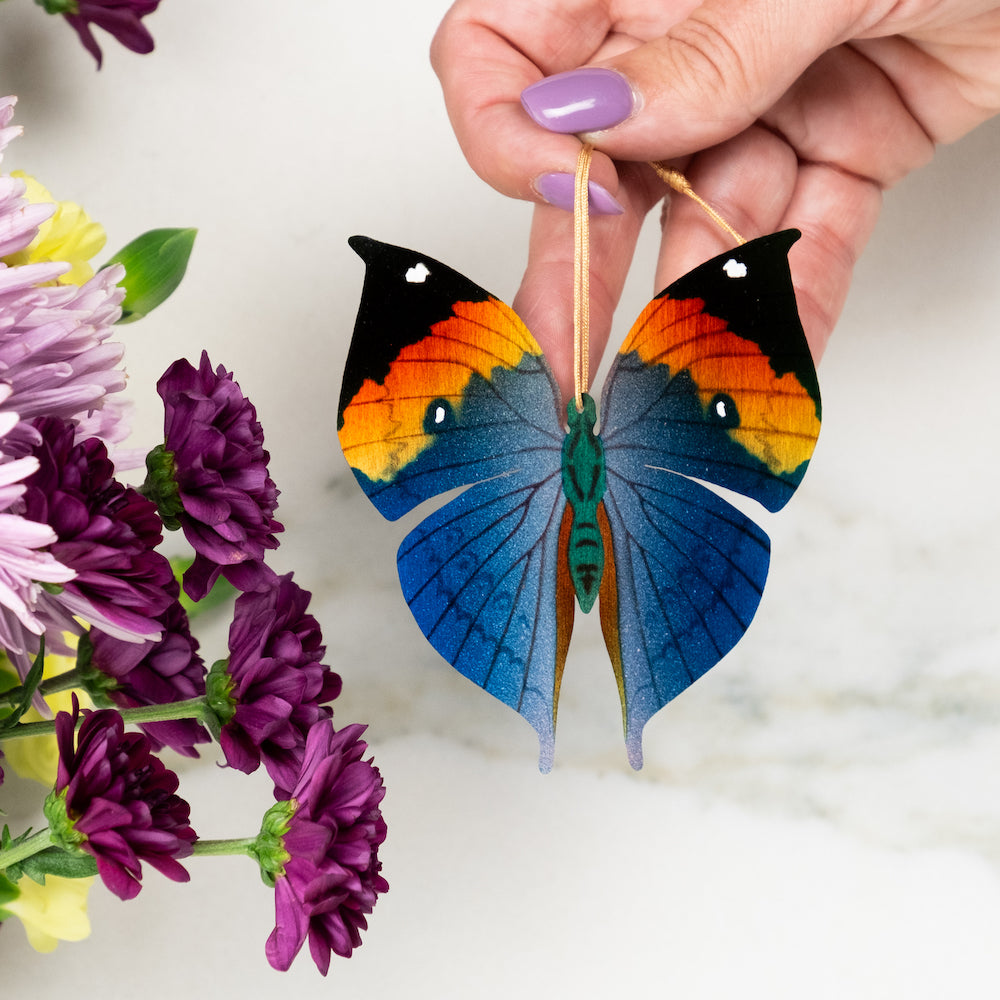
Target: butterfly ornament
x=445 y=387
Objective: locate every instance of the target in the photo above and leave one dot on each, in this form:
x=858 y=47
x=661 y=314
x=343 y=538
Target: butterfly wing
x=444 y=387
x=687 y=570
x=715 y=382
x=484 y=580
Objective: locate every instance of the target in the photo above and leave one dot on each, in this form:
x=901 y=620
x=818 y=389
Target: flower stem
x=23 y=730
x=35 y=843
x=52 y=685
x=192 y=708
x=217 y=848
x=62 y=682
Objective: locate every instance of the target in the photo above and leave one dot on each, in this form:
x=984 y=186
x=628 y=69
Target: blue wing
x=481 y=577
x=688 y=571
x=715 y=381
x=444 y=388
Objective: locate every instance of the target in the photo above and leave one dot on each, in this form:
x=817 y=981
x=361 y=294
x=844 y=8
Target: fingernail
x=559 y=190
x=582 y=100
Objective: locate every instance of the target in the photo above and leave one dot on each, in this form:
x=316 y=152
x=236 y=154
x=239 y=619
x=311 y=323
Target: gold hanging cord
x=581 y=276
x=581 y=258
x=679 y=182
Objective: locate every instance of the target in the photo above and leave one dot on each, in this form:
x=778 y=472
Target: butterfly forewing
x=443 y=386
x=716 y=381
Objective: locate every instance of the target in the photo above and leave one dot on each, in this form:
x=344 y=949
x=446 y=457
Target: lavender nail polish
x=581 y=100
x=559 y=189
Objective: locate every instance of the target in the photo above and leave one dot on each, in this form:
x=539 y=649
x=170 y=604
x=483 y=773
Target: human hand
x=779 y=113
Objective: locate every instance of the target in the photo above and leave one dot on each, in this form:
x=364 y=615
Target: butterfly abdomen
x=584 y=483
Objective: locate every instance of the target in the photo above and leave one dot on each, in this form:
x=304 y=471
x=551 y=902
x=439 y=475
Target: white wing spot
x=735 y=268
x=720 y=409
x=418 y=275
x=439 y=415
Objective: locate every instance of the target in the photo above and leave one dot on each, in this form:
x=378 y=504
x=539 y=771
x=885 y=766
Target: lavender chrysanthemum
x=155 y=672
x=7 y=131
x=105 y=532
x=213 y=477
x=25 y=562
x=116 y=801
x=331 y=879
x=55 y=351
x=275 y=687
x=19 y=221
x=54 y=348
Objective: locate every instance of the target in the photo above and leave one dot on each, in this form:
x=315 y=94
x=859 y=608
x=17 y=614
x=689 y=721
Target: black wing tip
x=782 y=240
x=389 y=255
x=791 y=234
x=363 y=245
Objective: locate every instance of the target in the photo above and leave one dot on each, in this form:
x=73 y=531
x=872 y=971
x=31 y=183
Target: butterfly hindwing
x=480 y=576
x=689 y=571
x=715 y=381
x=444 y=387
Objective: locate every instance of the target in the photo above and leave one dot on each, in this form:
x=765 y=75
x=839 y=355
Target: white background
x=819 y=816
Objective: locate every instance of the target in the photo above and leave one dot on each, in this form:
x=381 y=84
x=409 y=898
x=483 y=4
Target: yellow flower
x=36 y=757
x=54 y=912
x=69 y=235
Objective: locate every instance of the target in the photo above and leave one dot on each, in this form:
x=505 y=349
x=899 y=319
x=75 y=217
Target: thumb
x=707 y=79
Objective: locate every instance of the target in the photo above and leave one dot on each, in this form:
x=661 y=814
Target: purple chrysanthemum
x=105 y=532
x=215 y=477
x=156 y=672
x=331 y=879
x=116 y=801
x=274 y=688
x=121 y=18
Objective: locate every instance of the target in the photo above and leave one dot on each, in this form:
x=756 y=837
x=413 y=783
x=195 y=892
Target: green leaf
x=8 y=892
x=28 y=689
x=55 y=861
x=59 y=6
x=154 y=265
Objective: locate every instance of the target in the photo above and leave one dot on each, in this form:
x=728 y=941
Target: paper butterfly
x=445 y=387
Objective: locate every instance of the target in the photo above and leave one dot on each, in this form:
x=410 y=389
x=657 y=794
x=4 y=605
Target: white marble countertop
x=818 y=817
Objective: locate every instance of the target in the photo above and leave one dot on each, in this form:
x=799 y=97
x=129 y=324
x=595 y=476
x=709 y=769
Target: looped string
x=676 y=180
x=581 y=276
x=581 y=258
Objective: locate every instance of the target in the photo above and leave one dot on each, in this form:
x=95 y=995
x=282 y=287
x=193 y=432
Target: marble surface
x=819 y=816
